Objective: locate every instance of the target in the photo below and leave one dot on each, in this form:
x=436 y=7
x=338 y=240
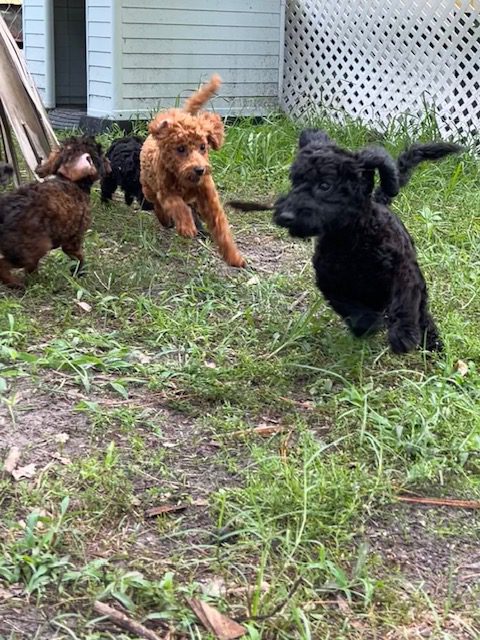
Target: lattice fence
x=378 y=58
x=11 y=12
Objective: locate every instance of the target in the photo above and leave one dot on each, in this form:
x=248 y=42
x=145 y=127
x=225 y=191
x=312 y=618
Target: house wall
x=35 y=46
x=101 y=18
x=168 y=47
x=143 y=55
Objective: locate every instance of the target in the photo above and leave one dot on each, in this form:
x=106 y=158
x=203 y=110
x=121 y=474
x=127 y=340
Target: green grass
x=150 y=395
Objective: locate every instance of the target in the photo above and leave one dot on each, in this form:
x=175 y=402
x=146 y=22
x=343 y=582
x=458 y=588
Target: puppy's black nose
x=285 y=217
x=199 y=171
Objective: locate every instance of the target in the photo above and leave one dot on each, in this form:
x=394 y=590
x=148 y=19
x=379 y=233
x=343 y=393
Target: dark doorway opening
x=70 y=54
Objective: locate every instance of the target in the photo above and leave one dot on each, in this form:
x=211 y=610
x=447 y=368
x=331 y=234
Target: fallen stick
x=121 y=620
x=441 y=502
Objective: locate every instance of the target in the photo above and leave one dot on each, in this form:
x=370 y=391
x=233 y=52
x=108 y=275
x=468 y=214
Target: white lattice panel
x=11 y=12
x=378 y=58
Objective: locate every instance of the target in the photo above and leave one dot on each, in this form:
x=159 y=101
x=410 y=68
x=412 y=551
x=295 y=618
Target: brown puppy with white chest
x=55 y=213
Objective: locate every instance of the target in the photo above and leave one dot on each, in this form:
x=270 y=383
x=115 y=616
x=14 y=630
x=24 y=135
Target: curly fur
x=365 y=260
x=176 y=175
x=41 y=216
x=6 y=172
x=124 y=157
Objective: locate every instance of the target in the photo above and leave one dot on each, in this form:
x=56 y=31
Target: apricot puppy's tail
x=200 y=97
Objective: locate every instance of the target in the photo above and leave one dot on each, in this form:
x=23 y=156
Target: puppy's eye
x=324 y=186
x=203 y=147
x=181 y=149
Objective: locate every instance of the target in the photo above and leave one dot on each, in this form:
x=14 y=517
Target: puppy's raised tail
x=409 y=160
x=418 y=153
x=242 y=205
x=199 y=98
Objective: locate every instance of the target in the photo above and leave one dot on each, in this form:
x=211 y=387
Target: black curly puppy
x=124 y=156
x=365 y=261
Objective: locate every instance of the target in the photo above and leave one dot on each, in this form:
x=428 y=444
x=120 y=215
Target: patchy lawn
x=271 y=444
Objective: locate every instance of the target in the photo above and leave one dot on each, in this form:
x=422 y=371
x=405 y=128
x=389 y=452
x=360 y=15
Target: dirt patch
x=435 y=549
x=268 y=254
x=191 y=468
x=36 y=420
x=19 y=620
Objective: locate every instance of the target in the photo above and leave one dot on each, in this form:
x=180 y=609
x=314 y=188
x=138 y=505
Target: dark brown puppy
x=56 y=213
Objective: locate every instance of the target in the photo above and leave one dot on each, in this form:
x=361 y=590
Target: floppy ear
x=50 y=166
x=378 y=158
x=214 y=129
x=313 y=135
x=160 y=126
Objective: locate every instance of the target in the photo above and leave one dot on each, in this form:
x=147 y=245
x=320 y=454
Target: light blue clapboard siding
x=168 y=47
x=35 y=45
x=100 y=58
x=257 y=6
x=237 y=49
x=143 y=55
x=196 y=18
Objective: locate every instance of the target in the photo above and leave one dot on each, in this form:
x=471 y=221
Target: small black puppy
x=124 y=156
x=365 y=261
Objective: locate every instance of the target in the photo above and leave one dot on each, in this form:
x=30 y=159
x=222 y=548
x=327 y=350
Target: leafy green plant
x=31 y=560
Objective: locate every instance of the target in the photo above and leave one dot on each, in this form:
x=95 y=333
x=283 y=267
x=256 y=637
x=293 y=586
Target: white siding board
x=239 y=48
x=100 y=59
x=191 y=77
x=32 y=12
x=35 y=54
x=100 y=45
x=135 y=108
x=99 y=88
x=102 y=74
x=34 y=40
x=36 y=67
x=199 y=18
x=97 y=14
x=254 y=6
x=36 y=27
x=204 y=32
x=98 y=29
x=156 y=90
x=155 y=62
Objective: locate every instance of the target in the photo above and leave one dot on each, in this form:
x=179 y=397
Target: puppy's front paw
x=186 y=229
x=433 y=342
x=403 y=339
x=237 y=261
